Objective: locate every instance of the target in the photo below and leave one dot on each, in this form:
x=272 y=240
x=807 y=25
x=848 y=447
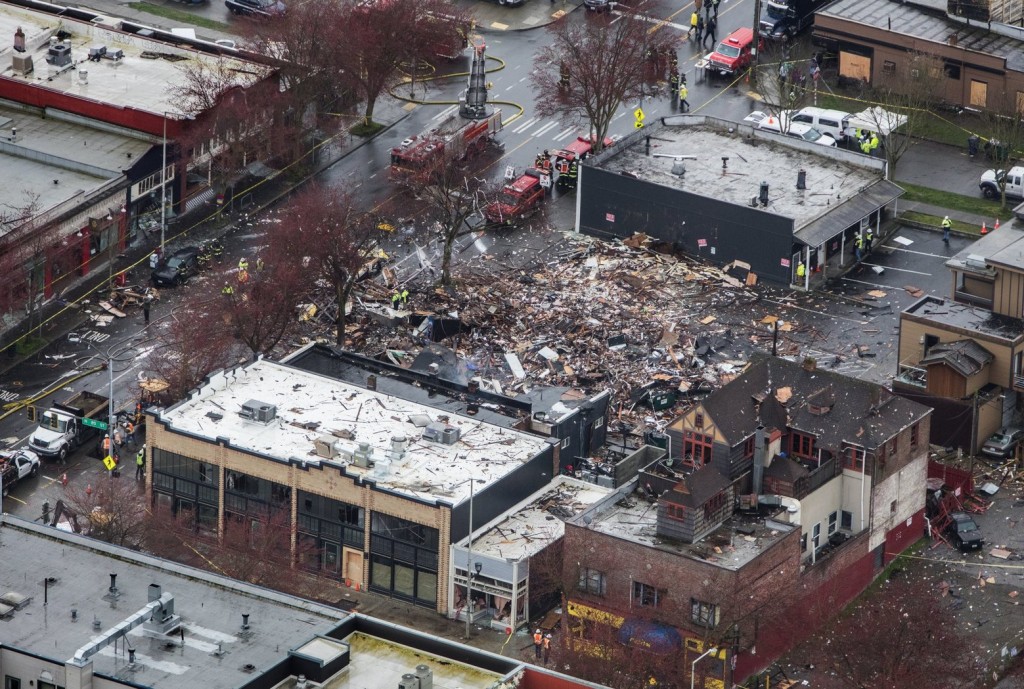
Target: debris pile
x=596 y=315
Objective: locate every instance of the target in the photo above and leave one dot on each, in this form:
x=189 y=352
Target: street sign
x=109 y=463
x=93 y=423
x=638 y=125
x=638 y=114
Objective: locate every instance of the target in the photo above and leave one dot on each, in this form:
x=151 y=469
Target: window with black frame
x=403 y=559
x=188 y=487
x=325 y=525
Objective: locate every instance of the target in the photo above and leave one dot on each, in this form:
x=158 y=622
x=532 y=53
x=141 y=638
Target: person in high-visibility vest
x=106 y=445
x=858 y=247
x=243 y=264
x=801 y=272
x=946 y=225
x=869 y=239
x=538 y=640
x=673 y=82
x=228 y=290
x=693 y=25
x=683 y=93
x=140 y=463
x=259 y=264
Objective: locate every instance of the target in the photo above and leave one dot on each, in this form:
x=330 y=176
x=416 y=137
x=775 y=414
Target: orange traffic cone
x=984 y=229
x=996 y=226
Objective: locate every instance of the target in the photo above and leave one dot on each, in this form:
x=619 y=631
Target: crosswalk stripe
x=546 y=128
x=564 y=133
x=526 y=125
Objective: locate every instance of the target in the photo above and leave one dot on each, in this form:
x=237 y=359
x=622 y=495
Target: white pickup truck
x=989 y=183
x=16 y=465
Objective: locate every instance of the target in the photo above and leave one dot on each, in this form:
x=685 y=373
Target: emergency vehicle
x=576 y=152
x=454 y=138
x=517 y=199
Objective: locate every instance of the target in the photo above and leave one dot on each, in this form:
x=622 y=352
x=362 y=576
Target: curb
x=7 y=364
x=518 y=29
x=937 y=229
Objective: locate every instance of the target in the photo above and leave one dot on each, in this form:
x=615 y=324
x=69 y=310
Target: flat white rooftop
x=539 y=520
x=143 y=80
x=310 y=406
x=751 y=160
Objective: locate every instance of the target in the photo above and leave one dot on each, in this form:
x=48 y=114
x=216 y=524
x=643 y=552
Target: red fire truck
x=576 y=152
x=453 y=138
x=517 y=199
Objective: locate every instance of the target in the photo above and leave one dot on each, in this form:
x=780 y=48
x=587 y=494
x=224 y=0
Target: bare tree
x=335 y=241
x=902 y=636
x=1004 y=129
x=197 y=342
x=112 y=510
x=783 y=79
x=594 y=67
x=453 y=196
x=905 y=94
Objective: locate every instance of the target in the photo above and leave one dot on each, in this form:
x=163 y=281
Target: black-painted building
x=739 y=197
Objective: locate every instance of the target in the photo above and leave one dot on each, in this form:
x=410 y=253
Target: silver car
x=1003 y=442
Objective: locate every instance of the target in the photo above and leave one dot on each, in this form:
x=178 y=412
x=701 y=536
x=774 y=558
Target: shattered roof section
x=310 y=406
x=539 y=520
x=966 y=357
x=864 y=413
x=632 y=517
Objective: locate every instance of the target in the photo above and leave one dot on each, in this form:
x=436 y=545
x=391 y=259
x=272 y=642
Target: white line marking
x=564 y=133
x=546 y=128
x=899 y=270
x=918 y=253
x=526 y=125
x=444 y=113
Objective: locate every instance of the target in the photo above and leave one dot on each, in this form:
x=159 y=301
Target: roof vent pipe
x=245 y=620
x=113 y=583
x=801 y=180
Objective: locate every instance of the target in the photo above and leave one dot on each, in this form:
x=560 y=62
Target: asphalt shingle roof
x=966 y=357
x=863 y=413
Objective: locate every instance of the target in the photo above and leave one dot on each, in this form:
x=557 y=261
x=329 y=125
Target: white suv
x=832 y=122
x=797 y=130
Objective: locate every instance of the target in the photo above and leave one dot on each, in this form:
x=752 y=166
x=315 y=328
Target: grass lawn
x=936 y=222
x=957 y=202
x=366 y=129
x=178 y=15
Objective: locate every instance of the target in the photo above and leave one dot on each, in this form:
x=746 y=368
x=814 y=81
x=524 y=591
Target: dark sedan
x=256 y=8
x=178 y=268
x=964 y=532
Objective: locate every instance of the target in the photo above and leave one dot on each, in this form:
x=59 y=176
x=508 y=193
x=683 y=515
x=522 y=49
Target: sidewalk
x=61 y=315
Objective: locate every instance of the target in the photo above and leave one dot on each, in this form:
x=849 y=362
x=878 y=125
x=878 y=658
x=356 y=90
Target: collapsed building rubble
x=656 y=329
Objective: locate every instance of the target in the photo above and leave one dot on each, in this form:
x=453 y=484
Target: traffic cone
x=996 y=226
x=984 y=229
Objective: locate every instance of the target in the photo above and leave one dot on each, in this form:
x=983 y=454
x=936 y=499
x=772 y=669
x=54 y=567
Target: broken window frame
x=853 y=457
x=693 y=441
x=801 y=444
x=704 y=614
x=714 y=504
x=915 y=435
x=676 y=512
x=748 y=447
x=648 y=595
x=592 y=581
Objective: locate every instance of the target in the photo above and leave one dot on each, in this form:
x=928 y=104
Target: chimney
x=19 y=41
x=758 y=459
x=810 y=364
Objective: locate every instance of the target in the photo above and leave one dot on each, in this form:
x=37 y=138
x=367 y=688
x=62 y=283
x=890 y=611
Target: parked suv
x=177 y=269
x=733 y=53
x=964 y=532
x=256 y=8
x=832 y=122
x=1003 y=442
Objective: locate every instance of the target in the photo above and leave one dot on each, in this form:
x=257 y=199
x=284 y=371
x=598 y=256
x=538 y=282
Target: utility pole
x=754 y=52
x=974 y=432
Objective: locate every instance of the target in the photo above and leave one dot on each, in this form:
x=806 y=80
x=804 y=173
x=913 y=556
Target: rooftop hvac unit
x=442 y=433
x=254 y=410
x=426 y=676
x=59 y=54
x=409 y=681
x=399 y=444
x=22 y=63
x=361 y=457
x=325 y=447
x=975 y=261
x=96 y=52
x=345 y=455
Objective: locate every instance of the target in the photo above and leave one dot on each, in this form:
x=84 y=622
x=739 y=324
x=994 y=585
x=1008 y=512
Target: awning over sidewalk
x=849 y=212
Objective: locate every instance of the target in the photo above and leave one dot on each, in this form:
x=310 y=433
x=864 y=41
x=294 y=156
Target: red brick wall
x=901 y=537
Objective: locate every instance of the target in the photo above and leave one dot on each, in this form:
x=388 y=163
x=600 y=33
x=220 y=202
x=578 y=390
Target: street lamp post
x=469 y=559
x=693 y=665
x=108 y=359
x=163 y=190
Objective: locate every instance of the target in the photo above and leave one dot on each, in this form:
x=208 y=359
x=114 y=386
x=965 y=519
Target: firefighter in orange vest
x=538 y=643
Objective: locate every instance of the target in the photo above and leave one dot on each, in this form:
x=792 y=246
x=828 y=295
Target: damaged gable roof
x=861 y=412
x=966 y=357
x=697 y=488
